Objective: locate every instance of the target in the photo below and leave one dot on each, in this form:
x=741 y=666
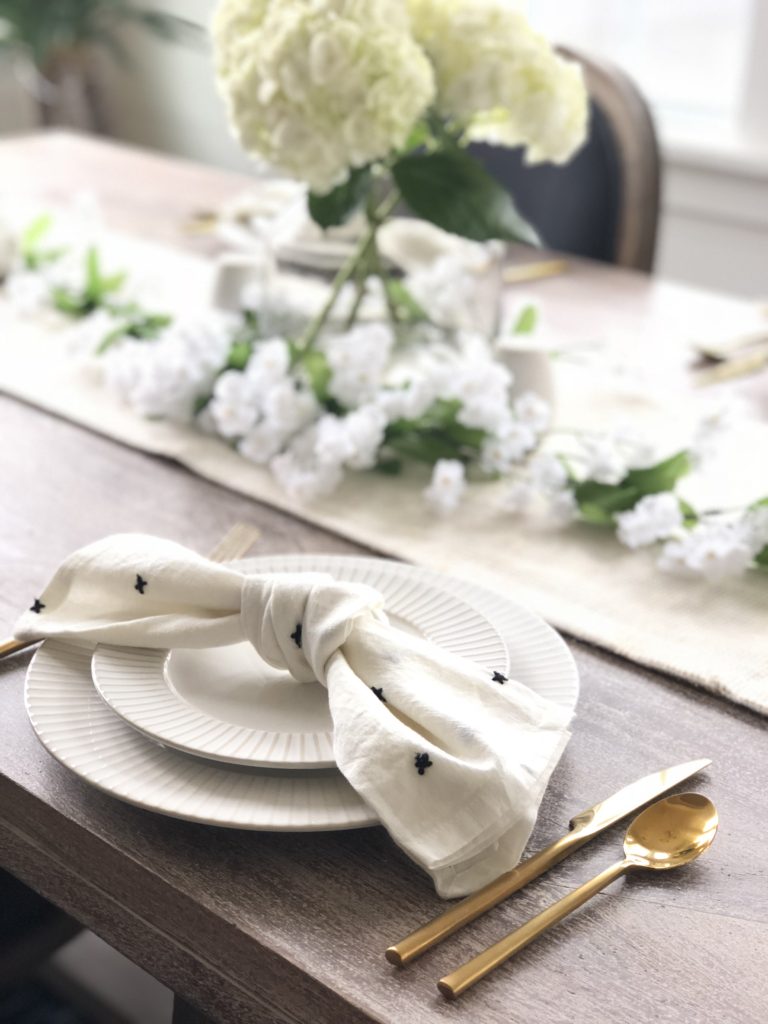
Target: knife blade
x=584 y=826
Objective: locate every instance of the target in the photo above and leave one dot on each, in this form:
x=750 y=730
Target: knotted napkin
x=452 y=759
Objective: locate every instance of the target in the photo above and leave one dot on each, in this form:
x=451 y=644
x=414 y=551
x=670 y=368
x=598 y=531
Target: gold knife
x=584 y=826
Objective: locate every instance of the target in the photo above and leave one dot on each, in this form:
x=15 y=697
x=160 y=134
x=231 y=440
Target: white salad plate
x=227 y=704
x=83 y=733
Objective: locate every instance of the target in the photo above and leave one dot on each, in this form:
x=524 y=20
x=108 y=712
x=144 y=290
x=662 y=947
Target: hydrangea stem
x=348 y=270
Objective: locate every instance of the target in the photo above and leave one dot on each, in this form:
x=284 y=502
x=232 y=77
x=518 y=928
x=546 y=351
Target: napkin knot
x=297 y=621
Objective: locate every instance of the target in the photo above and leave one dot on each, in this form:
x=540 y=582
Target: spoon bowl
x=671 y=832
x=668 y=834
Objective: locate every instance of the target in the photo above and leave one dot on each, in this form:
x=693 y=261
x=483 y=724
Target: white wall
x=714 y=226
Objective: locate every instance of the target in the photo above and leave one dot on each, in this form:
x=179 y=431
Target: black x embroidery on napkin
x=37 y=606
x=140 y=583
x=422 y=762
x=379 y=691
x=296 y=635
x=499 y=678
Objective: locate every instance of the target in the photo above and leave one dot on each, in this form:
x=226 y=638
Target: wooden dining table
x=291 y=928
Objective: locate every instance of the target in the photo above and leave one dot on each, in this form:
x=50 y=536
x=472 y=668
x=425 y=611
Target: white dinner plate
x=227 y=704
x=83 y=733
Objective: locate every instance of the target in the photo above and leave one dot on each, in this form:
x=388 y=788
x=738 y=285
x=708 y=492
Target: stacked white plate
x=218 y=736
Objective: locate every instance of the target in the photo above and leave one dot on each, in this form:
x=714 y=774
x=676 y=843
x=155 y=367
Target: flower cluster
x=366 y=397
x=500 y=80
x=319 y=87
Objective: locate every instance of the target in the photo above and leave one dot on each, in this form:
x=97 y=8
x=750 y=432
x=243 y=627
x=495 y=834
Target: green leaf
x=759 y=503
x=318 y=373
x=762 y=556
x=661 y=477
x=526 y=321
x=452 y=190
x=406 y=307
x=338 y=205
x=690 y=515
x=239 y=354
x=390 y=467
x=598 y=503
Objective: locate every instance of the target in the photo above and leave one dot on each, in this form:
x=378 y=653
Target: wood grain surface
x=261 y=927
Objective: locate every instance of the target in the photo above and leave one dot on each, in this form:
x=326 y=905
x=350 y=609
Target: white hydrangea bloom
x=715 y=551
x=234 y=407
x=318 y=87
x=502 y=79
x=358 y=359
x=655 y=517
x=447 y=486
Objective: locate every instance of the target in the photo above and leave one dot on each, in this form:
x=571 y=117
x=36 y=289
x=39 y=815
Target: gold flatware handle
x=8 y=647
x=236 y=542
x=478 y=903
x=464 y=977
x=521 y=272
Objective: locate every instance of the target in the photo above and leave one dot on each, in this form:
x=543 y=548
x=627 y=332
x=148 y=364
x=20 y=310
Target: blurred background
x=147 y=79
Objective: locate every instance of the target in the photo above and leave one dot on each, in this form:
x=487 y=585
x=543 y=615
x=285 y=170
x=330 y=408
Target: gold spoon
x=666 y=835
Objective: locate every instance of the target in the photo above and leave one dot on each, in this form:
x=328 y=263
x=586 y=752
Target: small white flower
x=86 y=335
x=333 y=444
x=365 y=427
x=499 y=452
x=289 y=408
x=754 y=528
x=27 y=292
x=714 y=425
x=262 y=442
x=518 y=497
x=406 y=403
x=562 y=507
x=712 y=550
x=638 y=452
x=302 y=481
x=234 y=407
x=532 y=410
x=604 y=463
x=447 y=486
x=358 y=359
x=446 y=290
x=269 y=364
x=654 y=517
x=547 y=473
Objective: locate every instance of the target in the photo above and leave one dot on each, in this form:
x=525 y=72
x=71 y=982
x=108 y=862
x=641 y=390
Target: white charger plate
x=227 y=704
x=83 y=733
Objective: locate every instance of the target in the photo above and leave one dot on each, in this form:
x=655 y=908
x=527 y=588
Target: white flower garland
x=352 y=404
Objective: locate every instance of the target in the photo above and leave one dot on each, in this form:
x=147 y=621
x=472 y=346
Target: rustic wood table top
x=260 y=927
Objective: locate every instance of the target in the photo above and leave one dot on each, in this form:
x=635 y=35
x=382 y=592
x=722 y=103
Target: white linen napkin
x=453 y=761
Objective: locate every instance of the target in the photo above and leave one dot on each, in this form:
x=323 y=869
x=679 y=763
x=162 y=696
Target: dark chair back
x=604 y=204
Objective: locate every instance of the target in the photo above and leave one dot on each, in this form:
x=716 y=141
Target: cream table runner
x=580 y=579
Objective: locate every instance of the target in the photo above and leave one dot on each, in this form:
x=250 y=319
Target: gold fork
x=236 y=542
